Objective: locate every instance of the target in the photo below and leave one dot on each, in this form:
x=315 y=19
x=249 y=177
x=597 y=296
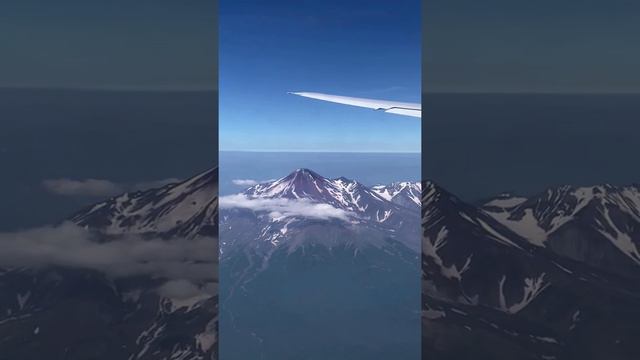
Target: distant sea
x=367 y=168
x=478 y=145
x=120 y=136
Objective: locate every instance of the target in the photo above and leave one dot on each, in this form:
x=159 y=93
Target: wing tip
x=299 y=93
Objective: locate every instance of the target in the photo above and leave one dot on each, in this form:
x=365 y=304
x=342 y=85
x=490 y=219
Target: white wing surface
x=394 y=107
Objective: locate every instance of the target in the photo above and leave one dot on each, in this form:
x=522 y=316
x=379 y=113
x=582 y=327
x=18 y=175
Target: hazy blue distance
x=124 y=137
x=367 y=168
x=116 y=44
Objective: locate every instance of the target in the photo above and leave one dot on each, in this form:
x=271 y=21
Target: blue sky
x=354 y=48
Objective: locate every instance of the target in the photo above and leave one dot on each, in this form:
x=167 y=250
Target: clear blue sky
x=354 y=48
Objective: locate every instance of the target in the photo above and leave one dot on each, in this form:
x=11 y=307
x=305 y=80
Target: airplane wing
x=394 y=107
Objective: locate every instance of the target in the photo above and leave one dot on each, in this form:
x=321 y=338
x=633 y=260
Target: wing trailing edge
x=393 y=107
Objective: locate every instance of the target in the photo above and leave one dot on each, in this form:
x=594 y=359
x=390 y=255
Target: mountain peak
x=301 y=183
x=188 y=208
x=344 y=179
x=306 y=183
x=304 y=173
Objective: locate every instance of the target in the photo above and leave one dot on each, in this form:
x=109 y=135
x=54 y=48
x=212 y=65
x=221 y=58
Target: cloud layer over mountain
x=283 y=208
x=69 y=245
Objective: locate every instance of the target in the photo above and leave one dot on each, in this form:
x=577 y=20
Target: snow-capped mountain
x=605 y=219
x=403 y=193
x=536 y=278
x=285 y=211
x=335 y=243
x=137 y=316
x=341 y=192
x=458 y=241
x=374 y=203
x=185 y=209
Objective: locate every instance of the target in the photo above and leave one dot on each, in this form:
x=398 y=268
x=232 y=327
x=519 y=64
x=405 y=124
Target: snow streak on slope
x=403 y=193
x=183 y=209
x=613 y=212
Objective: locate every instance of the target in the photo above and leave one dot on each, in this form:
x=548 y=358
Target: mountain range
x=145 y=294
x=319 y=268
x=149 y=288
x=287 y=207
x=552 y=276
x=307 y=261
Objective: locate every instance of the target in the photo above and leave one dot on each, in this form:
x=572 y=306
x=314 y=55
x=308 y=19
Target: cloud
x=283 y=208
x=250 y=182
x=87 y=187
x=71 y=246
x=244 y=182
x=184 y=289
x=99 y=187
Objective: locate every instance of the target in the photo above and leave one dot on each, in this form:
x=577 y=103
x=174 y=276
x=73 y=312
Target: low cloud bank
x=283 y=208
x=185 y=289
x=250 y=182
x=245 y=182
x=71 y=246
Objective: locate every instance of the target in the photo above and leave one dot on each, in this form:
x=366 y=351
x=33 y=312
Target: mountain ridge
x=112 y=314
x=531 y=277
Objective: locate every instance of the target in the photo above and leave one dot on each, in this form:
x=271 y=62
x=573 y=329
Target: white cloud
x=71 y=246
x=244 y=182
x=86 y=187
x=184 y=289
x=250 y=182
x=283 y=208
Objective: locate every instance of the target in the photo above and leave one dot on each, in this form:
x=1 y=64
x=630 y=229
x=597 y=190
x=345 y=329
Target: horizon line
x=215 y=89
x=323 y=151
x=107 y=89
x=525 y=92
